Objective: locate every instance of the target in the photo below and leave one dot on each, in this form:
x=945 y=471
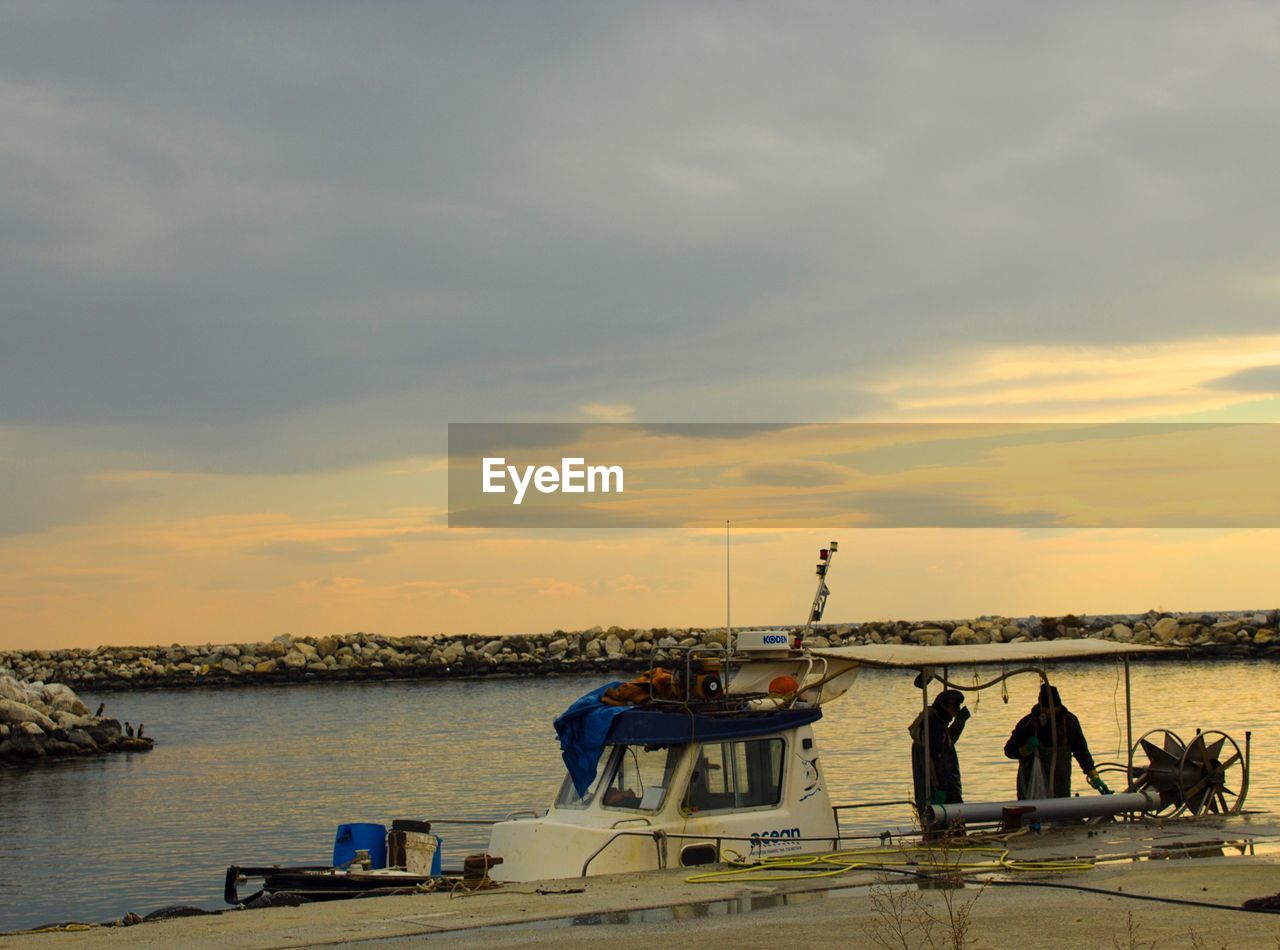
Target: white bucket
x=419 y=850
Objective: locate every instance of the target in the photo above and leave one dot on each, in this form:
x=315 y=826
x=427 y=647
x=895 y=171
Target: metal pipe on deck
x=1045 y=809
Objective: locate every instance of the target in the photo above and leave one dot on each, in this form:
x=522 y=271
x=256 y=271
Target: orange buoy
x=783 y=685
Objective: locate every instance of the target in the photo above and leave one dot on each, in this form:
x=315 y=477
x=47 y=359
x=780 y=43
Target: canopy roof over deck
x=847 y=661
x=914 y=657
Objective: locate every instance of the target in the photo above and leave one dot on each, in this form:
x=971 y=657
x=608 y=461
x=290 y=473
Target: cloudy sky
x=257 y=256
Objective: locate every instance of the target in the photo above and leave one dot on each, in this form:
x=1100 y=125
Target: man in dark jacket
x=1050 y=735
x=946 y=719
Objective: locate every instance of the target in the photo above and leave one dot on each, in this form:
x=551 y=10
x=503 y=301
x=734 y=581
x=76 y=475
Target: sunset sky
x=256 y=258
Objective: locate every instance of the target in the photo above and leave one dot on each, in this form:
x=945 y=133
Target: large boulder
x=22 y=746
x=1122 y=633
x=294 y=660
x=13 y=690
x=929 y=636
x=1165 y=629
x=964 y=634
x=82 y=740
x=106 y=733
x=15 y=713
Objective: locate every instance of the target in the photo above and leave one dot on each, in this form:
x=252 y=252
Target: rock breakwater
x=46 y=720
x=363 y=656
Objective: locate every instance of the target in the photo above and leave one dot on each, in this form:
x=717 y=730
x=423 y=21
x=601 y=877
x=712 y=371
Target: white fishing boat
x=710 y=755
x=676 y=787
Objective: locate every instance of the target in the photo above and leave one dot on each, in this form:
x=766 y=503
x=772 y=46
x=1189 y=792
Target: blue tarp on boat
x=582 y=729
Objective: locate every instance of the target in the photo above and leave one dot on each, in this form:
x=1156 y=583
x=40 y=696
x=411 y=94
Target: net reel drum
x=1207 y=776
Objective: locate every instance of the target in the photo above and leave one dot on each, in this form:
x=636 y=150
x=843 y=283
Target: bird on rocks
x=139 y=730
x=128 y=730
x=101 y=707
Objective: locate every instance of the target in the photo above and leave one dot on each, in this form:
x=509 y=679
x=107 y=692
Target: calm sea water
x=263 y=776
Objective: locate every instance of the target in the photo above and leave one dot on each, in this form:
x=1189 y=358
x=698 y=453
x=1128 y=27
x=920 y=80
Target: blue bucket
x=360 y=837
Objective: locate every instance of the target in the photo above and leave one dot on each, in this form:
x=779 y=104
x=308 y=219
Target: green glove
x=1096 y=781
x=1032 y=744
x=939 y=797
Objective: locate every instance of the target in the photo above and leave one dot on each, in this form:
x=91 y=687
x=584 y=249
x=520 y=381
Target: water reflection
x=264 y=775
x=653 y=915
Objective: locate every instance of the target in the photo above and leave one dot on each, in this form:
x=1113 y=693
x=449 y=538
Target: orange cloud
x=1072 y=383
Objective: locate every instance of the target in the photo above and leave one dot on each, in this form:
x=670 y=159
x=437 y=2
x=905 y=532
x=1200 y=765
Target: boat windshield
x=569 y=797
x=640 y=777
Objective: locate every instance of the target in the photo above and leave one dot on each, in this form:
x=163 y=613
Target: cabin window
x=640 y=777
x=745 y=774
x=569 y=797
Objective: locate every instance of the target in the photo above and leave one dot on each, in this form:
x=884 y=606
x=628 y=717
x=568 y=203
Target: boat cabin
x=676 y=789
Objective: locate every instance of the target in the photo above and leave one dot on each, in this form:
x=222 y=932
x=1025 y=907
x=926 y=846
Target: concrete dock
x=1220 y=864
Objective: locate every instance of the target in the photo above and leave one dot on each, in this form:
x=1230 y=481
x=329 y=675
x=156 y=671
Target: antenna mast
x=728 y=614
x=825 y=557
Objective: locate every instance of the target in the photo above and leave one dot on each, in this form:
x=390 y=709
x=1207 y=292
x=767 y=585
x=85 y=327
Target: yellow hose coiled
x=953 y=857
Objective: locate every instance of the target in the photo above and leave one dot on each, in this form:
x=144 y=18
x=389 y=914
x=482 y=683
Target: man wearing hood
x=1050 y=734
x=946 y=719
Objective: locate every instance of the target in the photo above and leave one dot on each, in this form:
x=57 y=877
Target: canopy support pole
x=925 y=676
x=1128 y=721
